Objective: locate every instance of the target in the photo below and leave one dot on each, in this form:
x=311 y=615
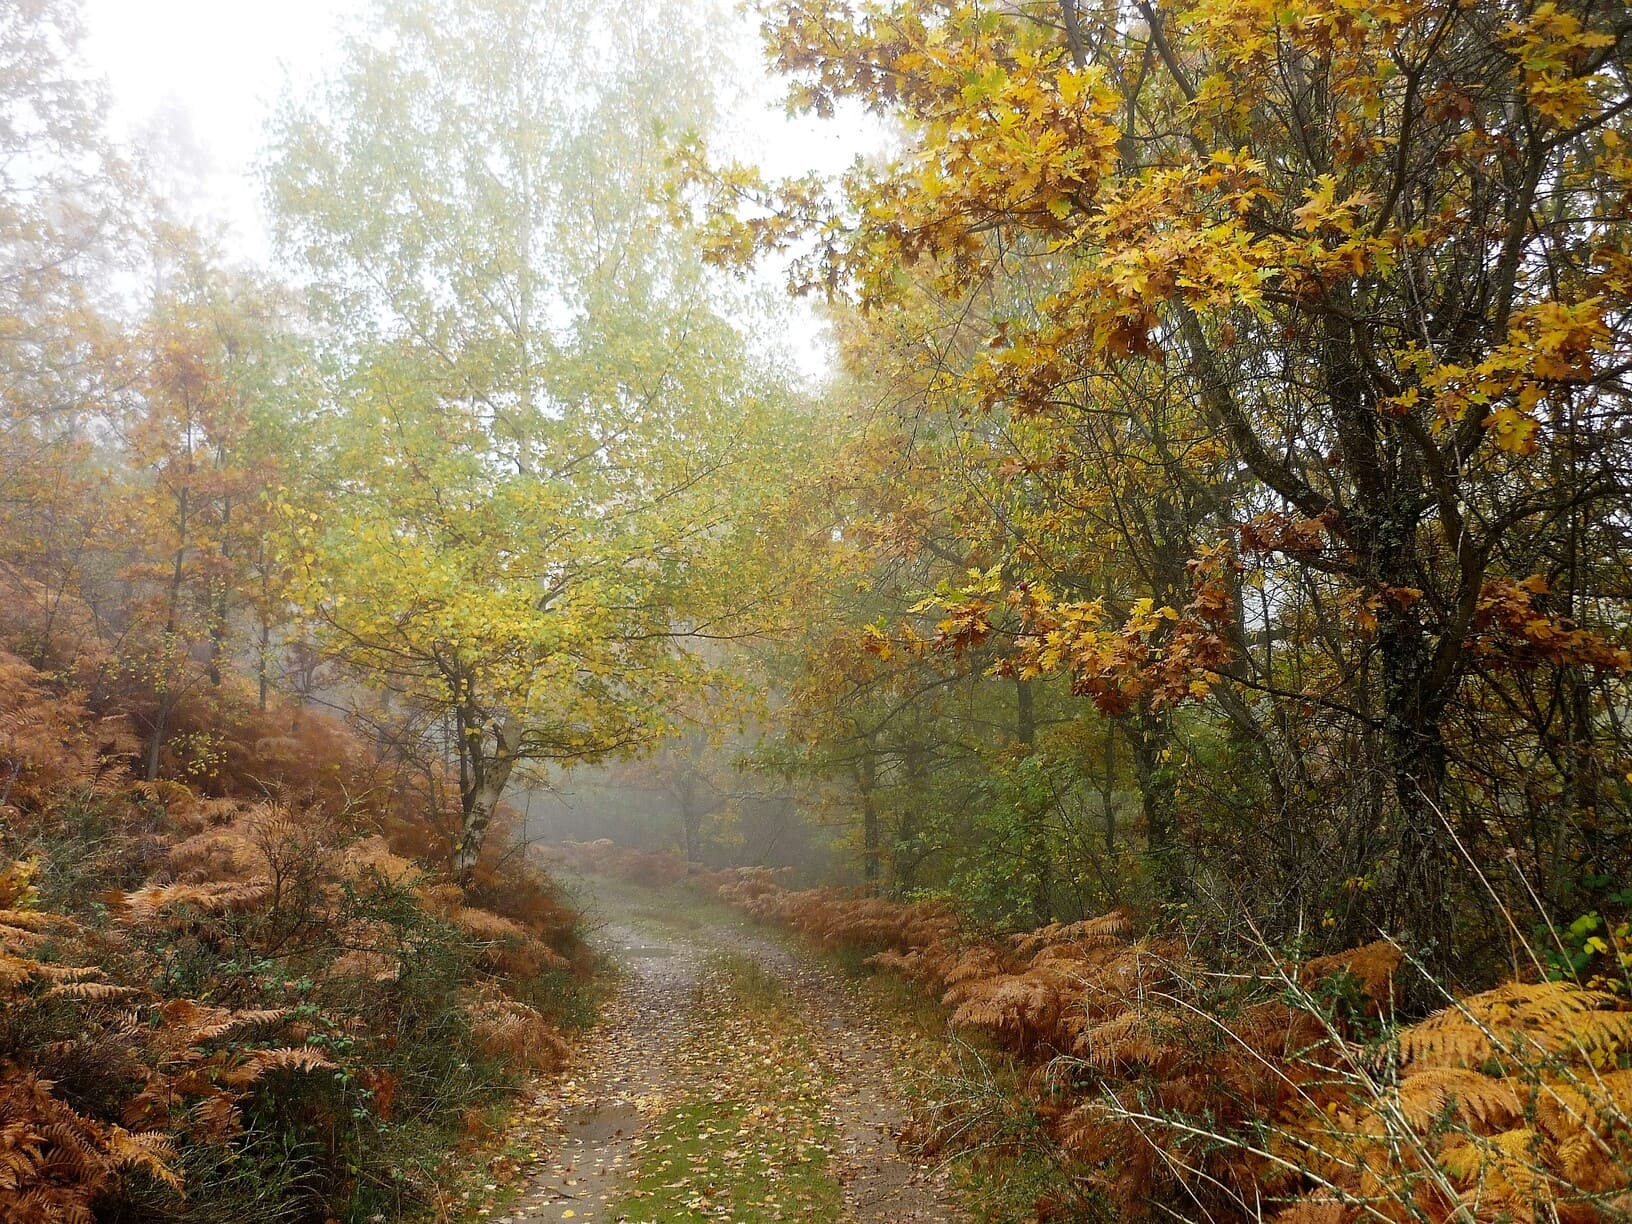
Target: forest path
x=731 y=1078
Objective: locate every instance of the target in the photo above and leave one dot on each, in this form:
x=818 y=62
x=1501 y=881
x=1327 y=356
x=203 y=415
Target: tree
x=1384 y=251
x=542 y=430
x=202 y=427
x=1103 y=509
x=900 y=744
x=60 y=214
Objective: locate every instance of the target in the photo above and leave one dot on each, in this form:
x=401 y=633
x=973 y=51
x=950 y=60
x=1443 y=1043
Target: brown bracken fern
x=1265 y=1092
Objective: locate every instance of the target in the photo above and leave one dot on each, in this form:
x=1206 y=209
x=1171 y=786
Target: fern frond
x=1021 y=1006
x=1513 y=1179
x=1316 y=1210
x=1139 y=1037
x=1372 y=966
x=33 y=921
x=1520 y=1020
x=91 y=992
x=166 y=793
x=365 y=963
x=20 y=939
x=1105 y=930
x=68 y=973
x=216 y=1117
x=219 y=1025
x=155 y=903
x=369 y=863
x=288 y=1058
x=148 y=1151
x=1429 y=1097
x=975 y=964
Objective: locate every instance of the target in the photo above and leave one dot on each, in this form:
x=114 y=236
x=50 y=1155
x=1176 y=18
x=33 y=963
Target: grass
x=673 y=907
x=745 y=1139
x=569 y=999
x=708 y=1160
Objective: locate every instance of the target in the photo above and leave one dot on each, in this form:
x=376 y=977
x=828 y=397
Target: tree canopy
x=1344 y=295
x=539 y=419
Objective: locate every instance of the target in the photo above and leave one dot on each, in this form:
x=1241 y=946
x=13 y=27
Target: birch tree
x=538 y=419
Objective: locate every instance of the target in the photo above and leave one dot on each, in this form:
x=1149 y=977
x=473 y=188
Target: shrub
x=239 y=996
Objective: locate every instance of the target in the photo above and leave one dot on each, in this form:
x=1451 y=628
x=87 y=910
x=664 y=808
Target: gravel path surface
x=637 y=1064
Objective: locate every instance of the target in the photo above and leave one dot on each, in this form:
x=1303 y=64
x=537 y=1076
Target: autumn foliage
x=195 y=967
x=1275 y=1090
x=1250 y=382
x=1214 y=540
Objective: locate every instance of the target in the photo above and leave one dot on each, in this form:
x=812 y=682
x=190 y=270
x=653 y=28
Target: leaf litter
x=730 y=1079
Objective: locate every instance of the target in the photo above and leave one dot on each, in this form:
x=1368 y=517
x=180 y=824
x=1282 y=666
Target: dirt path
x=731 y=1079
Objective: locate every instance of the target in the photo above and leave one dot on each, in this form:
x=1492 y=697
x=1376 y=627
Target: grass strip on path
x=746 y=1138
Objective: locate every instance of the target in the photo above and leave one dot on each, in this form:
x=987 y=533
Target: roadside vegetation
x=240 y=996
x=1185 y=635
x=1108 y=1070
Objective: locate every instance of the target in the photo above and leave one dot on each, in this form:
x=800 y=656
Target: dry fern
x=55 y=1162
x=1428 y=1098
x=1501 y=1104
x=159 y=904
x=282 y=1058
x=509 y=1029
x=1521 y=1021
x=1371 y=966
x=1136 y=1038
x=1105 y=930
x=91 y=992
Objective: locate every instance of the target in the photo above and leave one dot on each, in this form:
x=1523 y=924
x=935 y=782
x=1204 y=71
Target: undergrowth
x=1154 y=1082
x=245 y=993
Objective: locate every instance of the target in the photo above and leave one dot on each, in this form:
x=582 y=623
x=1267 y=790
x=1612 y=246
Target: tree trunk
x=261 y=677
x=155 y=741
x=1417 y=768
x=866 y=781
x=1148 y=734
x=906 y=853
x=218 y=636
x=691 y=819
x=1038 y=852
x=167 y=702
x=487 y=775
x=1107 y=792
x=220 y=602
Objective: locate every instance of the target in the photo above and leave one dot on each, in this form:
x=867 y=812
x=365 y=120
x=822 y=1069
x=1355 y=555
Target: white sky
x=214 y=69
x=220 y=63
